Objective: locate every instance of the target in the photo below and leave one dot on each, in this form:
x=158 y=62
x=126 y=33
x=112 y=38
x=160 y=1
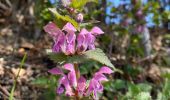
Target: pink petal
x=82 y=40
x=69 y=67
x=105 y=70
x=52 y=29
x=100 y=77
x=56 y=71
x=70 y=43
x=70 y=49
x=96 y=31
x=94 y=86
x=64 y=81
x=91 y=47
x=91 y=39
x=70 y=37
x=58 y=43
x=69 y=28
x=83 y=31
x=72 y=78
x=81 y=84
x=60 y=89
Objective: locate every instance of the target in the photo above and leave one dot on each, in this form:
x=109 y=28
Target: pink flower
x=96 y=31
x=87 y=39
x=52 y=29
x=62 y=42
x=68 y=82
x=83 y=40
x=95 y=83
x=69 y=44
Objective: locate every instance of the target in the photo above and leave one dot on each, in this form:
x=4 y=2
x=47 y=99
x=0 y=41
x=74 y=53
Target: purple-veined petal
x=96 y=31
x=105 y=70
x=69 y=28
x=72 y=78
x=60 y=89
x=70 y=37
x=52 y=29
x=82 y=40
x=56 y=71
x=70 y=49
x=100 y=77
x=56 y=48
x=64 y=81
x=94 y=86
x=58 y=43
x=81 y=85
x=91 y=39
x=69 y=67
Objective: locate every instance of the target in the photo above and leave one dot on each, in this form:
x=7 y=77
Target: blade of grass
x=15 y=81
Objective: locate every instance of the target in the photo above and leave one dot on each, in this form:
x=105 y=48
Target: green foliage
x=79 y=4
x=63 y=18
x=165 y=93
x=41 y=81
x=48 y=84
x=115 y=85
x=96 y=55
x=138 y=92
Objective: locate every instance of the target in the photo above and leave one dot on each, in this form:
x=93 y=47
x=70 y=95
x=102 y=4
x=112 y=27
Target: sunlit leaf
x=78 y=4
x=64 y=18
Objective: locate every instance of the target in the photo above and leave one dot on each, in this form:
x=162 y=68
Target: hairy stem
x=77 y=77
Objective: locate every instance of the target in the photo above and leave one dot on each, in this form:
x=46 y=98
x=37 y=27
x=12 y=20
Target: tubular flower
x=68 y=82
x=95 y=83
x=69 y=44
x=65 y=39
x=62 y=42
x=86 y=39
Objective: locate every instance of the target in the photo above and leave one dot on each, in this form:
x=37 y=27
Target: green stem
x=77 y=77
x=15 y=81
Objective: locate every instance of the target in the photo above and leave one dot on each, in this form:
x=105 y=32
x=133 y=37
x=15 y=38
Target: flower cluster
x=66 y=40
x=71 y=84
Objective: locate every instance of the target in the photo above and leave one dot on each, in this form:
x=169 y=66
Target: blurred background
x=136 y=40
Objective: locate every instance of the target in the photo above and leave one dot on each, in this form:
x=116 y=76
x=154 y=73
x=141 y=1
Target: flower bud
x=79 y=17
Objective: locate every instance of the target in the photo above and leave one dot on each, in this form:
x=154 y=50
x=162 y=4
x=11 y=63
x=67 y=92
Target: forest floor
x=12 y=49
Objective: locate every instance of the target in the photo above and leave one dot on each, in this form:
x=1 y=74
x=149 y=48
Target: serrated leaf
x=98 y=55
x=64 y=18
x=58 y=57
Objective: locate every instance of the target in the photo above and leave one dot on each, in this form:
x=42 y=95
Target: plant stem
x=77 y=77
x=15 y=81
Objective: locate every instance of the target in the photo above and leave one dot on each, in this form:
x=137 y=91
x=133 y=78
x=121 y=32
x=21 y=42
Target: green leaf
x=166 y=89
x=99 y=55
x=96 y=55
x=144 y=87
x=41 y=81
x=143 y=96
x=78 y=4
x=65 y=18
x=58 y=57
